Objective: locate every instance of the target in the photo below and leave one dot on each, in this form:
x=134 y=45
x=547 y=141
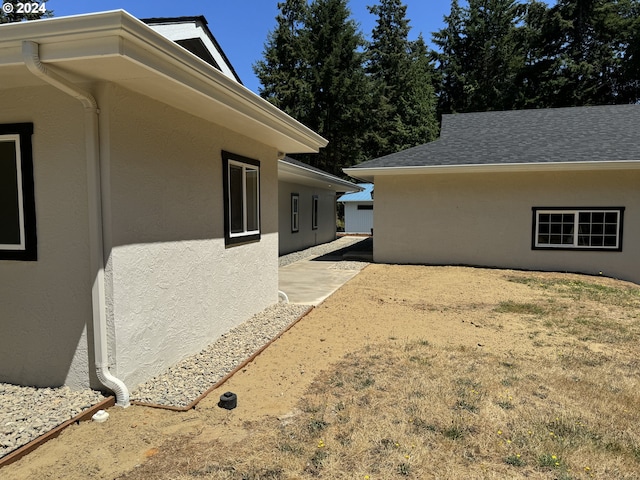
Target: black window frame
x=563 y=214
x=26 y=250
x=315 y=211
x=232 y=239
x=295 y=212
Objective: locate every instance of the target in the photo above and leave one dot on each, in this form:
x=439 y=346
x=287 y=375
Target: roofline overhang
x=301 y=174
x=369 y=174
x=118 y=33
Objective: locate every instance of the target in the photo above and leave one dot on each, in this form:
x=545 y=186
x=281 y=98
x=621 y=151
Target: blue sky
x=241 y=26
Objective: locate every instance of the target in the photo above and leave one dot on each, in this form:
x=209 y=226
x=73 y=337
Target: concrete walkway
x=311 y=280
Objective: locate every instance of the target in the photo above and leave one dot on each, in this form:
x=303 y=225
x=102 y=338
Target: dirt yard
x=381 y=303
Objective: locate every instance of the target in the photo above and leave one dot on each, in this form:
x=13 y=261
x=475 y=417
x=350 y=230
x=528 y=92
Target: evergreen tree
x=450 y=68
x=283 y=70
x=401 y=76
x=337 y=80
x=584 y=60
x=540 y=53
x=493 y=56
x=481 y=57
x=590 y=59
x=629 y=90
x=313 y=70
x=417 y=104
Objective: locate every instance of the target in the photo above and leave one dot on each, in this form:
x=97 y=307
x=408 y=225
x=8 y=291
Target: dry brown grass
x=567 y=409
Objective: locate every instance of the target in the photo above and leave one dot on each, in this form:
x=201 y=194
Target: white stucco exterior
x=45 y=304
x=306 y=236
x=309 y=185
x=172 y=284
x=485 y=219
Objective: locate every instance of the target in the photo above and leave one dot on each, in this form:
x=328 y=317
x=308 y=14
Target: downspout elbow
x=31 y=57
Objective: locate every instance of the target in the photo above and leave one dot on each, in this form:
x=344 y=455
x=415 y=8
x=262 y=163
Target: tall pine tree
x=481 y=57
x=451 y=57
x=337 y=78
x=313 y=70
x=401 y=76
x=283 y=70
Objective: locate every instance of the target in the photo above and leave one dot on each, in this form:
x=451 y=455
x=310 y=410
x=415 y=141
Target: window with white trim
x=578 y=228
x=295 y=212
x=17 y=202
x=241 y=199
x=314 y=212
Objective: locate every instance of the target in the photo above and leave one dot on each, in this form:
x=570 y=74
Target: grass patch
x=565 y=408
x=519 y=308
x=583 y=290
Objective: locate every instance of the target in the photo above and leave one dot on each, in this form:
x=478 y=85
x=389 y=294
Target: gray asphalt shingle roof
x=578 y=134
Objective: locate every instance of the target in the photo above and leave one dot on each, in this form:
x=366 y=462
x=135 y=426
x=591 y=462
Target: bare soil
x=383 y=302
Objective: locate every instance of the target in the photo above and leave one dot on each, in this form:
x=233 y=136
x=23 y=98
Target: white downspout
x=30 y=54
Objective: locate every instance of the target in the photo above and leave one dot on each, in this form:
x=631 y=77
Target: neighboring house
x=136 y=189
x=307 y=204
x=358 y=210
x=548 y=189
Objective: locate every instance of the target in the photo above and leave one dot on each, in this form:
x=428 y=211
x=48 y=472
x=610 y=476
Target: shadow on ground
x=361 y=251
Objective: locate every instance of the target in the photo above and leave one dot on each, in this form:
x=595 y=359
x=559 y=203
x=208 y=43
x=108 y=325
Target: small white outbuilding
x=358 y=210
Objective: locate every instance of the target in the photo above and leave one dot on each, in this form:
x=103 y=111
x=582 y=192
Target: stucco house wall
x=174 y=285
x=306 y=236
x=485 y=219
x=45 y=304
x=130 y=237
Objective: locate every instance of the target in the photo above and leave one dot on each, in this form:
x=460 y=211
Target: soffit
x=115 y=47
x=293 y=174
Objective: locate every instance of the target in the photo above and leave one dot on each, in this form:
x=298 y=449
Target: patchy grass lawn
x=565 y=407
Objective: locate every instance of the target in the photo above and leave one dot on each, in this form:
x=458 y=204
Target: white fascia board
x=66 y=41
x=370 y=173
x=307 y=176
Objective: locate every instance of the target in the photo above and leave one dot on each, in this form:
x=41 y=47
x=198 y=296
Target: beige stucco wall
x=45 y=306
x=172 y=286
x=306 y=237
x=486 y=219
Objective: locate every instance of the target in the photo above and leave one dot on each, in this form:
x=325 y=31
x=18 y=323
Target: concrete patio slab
x=311 y=281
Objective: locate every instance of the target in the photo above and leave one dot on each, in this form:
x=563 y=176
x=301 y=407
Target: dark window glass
x=10 y=221
x=236 y=199
x=253 y=211
x=611 y=217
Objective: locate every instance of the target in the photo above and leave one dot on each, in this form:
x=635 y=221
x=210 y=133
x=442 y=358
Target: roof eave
x=299 y=174
x=117 y=33
x=370 y=173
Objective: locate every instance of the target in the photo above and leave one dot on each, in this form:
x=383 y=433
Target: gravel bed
x=319 y=250
x=27 y=412
x=182 y=383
